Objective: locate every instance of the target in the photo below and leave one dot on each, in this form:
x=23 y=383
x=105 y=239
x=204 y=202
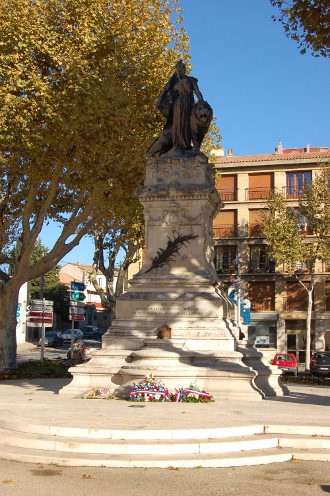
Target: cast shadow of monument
x=209 y=360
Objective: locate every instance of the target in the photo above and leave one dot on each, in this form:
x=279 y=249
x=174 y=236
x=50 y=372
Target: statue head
x=180 y=69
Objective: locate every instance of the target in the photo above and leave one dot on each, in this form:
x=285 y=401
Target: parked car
x=287 y=362
x=320 y=363
x=66 y=336
x=91 y=332
x=82 y=350
x=52 y=338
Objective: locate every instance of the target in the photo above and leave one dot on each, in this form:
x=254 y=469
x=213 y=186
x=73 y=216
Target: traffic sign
x=77 y=291
x=42 y=302
x=76 y=317
x=40 y=320
x=39 y=308
x=76 y=311
x=39 y=324
x=77 y=304
x=18 y=311
x=40 y=314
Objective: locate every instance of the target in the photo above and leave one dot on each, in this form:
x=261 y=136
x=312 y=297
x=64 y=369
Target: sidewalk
x=37 y=402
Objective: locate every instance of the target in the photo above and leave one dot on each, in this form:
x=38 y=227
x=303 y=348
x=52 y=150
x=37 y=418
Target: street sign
x=42 y=302
x=38 y=324
x=77 y=304
x=40 y=320
x=77 y=291
x=76 y=311
x=76 y=317
x=39 y=308
x=18 y=311
x=40 y=314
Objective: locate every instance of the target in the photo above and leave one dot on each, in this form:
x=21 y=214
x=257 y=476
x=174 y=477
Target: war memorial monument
x=176 y=321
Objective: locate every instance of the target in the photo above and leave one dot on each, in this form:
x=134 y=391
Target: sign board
x=40 y=314
x=74 y=304
x=41 y=302
x=40 y=320
x=39 y=324
x=39 y=308
x=76 y=311
x=76 y=317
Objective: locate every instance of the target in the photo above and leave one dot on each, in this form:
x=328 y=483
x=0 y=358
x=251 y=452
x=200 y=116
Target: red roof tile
x=271 y=157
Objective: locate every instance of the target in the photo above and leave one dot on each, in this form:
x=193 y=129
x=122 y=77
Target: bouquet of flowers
x=192 y=394
x=99 y=393
x=149 y=389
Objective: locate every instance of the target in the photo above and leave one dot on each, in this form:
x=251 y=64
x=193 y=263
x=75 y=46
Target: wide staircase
x=184 y=448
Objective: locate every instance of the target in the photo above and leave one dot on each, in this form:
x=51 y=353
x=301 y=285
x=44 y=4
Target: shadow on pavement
x=303 y=398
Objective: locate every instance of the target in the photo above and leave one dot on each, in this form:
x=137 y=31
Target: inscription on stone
x=169 y=310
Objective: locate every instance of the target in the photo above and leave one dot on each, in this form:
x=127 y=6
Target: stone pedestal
x=177 y=287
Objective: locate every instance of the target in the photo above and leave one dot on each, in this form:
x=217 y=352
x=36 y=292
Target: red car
x=287 y=362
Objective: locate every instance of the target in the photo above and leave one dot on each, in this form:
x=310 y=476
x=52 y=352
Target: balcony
x=225 y=231
x=228 y=194
x=262 y=268
x=258 y=193
x=292 y=193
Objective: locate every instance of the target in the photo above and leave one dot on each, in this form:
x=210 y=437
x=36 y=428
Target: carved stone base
x=177 y=287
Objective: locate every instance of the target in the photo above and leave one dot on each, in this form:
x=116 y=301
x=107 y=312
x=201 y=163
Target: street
x=29 y=351
x=301 y=478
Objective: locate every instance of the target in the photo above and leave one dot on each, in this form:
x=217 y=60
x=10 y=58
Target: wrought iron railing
x=228 y=194
x=225 y=231
x=261 y=193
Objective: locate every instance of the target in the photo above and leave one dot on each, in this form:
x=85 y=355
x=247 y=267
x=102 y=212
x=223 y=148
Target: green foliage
x=287 y=241
x=76 y=100
x=39 y=369
x=307 y=22
x=212 y=140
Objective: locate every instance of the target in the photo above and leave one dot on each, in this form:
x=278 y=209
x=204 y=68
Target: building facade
x=278 y=303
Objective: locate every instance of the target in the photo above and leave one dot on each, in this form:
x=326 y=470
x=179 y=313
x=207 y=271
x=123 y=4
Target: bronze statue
x=186 y=120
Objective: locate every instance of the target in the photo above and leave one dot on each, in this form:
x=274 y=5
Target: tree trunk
x=308 y=330
x=8 y=308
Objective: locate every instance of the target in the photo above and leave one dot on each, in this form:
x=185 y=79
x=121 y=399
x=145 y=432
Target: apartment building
x=278 y=303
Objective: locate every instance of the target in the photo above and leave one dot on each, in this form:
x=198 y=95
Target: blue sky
x=259 y=85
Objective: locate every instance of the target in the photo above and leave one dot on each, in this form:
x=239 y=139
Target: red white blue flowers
x=150 y=389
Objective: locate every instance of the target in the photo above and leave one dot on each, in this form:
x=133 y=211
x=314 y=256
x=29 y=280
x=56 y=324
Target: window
x=227 y=187
x=303 y=222
x=262 y=296
x=259 y=261
x=100 y=281
x=297 y=297
x=260 y=186
x=326 y=266
x=327 y=295
x=263 y=334
x=296 y=182
x=225 y=225
x=255 y=222
x=223 y=258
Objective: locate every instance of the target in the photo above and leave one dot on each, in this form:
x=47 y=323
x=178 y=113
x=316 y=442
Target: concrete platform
x=38 y=425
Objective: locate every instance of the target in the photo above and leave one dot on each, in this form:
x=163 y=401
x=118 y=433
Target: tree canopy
x=307 y=22
x=78 y=84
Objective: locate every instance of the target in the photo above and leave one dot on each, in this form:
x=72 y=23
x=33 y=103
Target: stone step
x=143 y=447
x=304 y=442
x=133 y=434
x=320 y=455
x=304 y=430
x=244 y=458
